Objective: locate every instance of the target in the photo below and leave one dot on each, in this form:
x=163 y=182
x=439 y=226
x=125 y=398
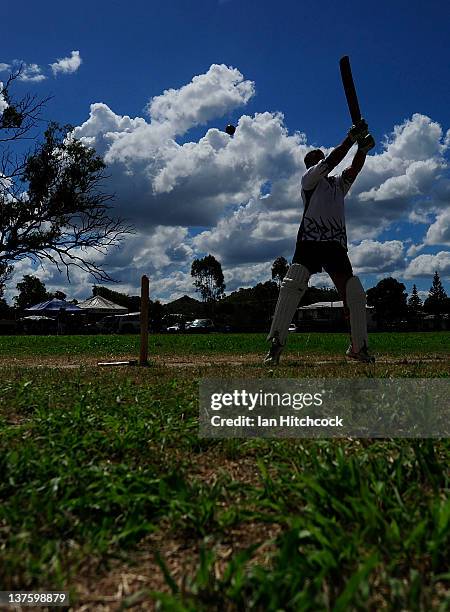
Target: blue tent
x=53 y=305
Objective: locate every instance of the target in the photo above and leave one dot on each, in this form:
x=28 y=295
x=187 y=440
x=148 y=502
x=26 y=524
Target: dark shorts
x=329 y=256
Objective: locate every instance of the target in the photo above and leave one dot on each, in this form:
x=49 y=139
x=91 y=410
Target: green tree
x=156 y=315
x=59 y=295
x=248 y=309
x=132 y=302
x=437 y=301
x=208 y=278
x=31 y=291
x=319 y=294
x=279 y=268
x=122 y=299
x=389 y=299
x=415 y=304
x=5 y=275
x=51 y=203
x=19 y=115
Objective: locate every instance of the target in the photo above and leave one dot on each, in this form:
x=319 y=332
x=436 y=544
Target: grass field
x=405 y=344
x=107 y=491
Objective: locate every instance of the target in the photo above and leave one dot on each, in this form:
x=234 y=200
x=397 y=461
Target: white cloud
x=244 y=276
x=31 y=73
x=206 y=97
x=414 y=249
x=417 y=178
x=4 y=67
x=159 y=181
x=439 y=231
x=375 y=257
x=242 y=194
x=250 y=234
x=23 y=267
x=416 y=139
x=421 y=216
x=3 y=102
x=426 y=265
x=173 y=286
x=67 y=65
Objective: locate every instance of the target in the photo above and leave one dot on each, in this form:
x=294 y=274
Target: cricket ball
x=230 y=129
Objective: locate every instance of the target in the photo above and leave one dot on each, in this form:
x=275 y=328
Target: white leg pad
x=292 y=289
x=356 y=302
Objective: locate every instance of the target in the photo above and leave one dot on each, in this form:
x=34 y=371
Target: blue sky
x=286 y=54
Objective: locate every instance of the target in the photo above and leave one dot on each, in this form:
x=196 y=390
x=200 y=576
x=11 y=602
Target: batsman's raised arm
x=318 y=166
x=359 y=130
x=364 y=145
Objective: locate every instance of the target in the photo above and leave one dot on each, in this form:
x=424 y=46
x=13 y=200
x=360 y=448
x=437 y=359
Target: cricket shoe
x=361 y=355
x=273 y=356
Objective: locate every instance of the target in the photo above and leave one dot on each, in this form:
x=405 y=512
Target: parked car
x=129 y=323
x=39 y=324
x=201 y=326
x=292 y=327
x=107 y=325
x=174 y=329
x=223 y=329
x=120 y=324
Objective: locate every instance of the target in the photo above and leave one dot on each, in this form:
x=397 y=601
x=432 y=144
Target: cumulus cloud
x=211 y=182
x=414 y=249
x=173 y=286
x=206 y=97
x=439 y=231
x=67 y=65
x=427 y=265
x=417 y=178
x=370 y=256
x=160 y=181
x=251 y=235
x=415 y=139
x=239 y=198
x=4 y=67
x=26 y=266
x=245 y=190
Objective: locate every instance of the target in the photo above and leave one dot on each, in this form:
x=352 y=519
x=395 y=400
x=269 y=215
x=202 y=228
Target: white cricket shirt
x=323 y=198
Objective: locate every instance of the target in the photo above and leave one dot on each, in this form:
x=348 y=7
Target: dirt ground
x=193 y=361
x=106 y=590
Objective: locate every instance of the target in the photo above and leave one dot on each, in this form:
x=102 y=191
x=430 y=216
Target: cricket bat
x=349 y=88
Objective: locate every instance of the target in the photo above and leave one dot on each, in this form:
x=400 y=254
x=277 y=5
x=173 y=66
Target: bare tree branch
x=52 y=204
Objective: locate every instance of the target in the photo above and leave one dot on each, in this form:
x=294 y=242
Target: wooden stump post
x=143 y=358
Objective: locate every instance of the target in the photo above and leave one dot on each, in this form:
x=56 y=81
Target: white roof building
x=100 y=305
x=328 y=313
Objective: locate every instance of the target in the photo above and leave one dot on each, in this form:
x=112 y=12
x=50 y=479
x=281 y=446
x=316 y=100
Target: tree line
x=249 y=308
x=389 y=297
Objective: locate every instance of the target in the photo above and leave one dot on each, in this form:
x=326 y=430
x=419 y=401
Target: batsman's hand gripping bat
x=349 y=89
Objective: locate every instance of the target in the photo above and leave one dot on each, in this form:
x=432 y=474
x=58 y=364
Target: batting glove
x=359 y=130
x=366 y=143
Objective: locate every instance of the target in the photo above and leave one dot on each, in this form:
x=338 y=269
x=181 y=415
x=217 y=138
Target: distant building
x=101 y=306
x=328 y=316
